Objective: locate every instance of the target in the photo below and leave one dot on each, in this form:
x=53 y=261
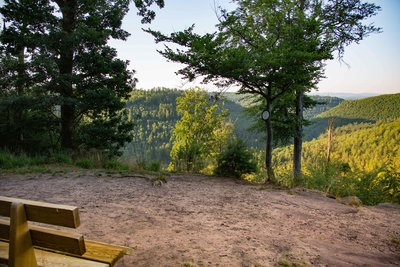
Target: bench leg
x=21 y=253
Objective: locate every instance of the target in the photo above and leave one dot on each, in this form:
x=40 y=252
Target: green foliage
x=26 y=124
x=11 y=161
x=323 y=103
x=367 y=110
x=61 y=84
x=363 y=146
x=381 y=185
x=154 y=113
x=383 y=107
x=235 y=160
x=273 y=50
x=365 y=157
x=200 y=134
x=154 y=166
x=115 y=164
x=389 y=181
x=334 y=178
x=85 y=163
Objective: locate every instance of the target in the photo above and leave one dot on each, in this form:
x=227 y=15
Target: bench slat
x=95 y=251
x=50 y=259
x=61 y=215
x=48 y=238
x=105 y=252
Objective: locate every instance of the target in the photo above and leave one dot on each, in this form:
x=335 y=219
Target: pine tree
x=62 y=46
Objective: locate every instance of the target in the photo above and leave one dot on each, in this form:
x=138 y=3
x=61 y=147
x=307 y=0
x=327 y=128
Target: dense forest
x=363 y=146
x=372 y=108
x=367 y=110
x=65 y=95
x=154 y=114
x=363 y=137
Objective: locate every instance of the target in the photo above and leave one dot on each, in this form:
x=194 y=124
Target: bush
x=334 y=178
x=85 y=163
x=115 y=164
x=154 y=166
x=235 y=160
x=10 y=160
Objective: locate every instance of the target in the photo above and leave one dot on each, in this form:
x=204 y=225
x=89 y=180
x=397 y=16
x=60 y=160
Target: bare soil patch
x=207 y=221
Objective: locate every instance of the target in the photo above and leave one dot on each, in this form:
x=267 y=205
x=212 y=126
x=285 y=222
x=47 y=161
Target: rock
x=389 y=205
x=351 y=201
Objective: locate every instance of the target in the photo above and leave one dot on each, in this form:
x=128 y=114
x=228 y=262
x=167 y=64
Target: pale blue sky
x=374 y=63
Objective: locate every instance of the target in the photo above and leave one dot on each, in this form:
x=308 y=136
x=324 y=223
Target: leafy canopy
x=55 y=56
x=200 y=133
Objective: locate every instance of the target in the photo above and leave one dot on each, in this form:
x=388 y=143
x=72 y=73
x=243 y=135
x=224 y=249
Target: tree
x=254 y=48
x=200 y=133
x=341 y=24
x=274 y=50
x=60 y=54
x=235 y=160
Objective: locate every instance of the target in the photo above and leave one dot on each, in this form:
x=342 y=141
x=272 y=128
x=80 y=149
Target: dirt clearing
x=206 y=221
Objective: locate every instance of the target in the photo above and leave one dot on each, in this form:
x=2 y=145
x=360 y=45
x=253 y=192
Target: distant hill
x=154 y=114
x=347 y=96
x=367 y=110
x=363 y=146
x=256 y=140
x=325 y=103
x=371 y=108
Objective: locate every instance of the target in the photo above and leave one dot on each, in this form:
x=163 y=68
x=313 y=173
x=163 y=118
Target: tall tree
x=79 y=75
x=272 y=49
x=341 y=23
x=253 y=49
x=200 y=133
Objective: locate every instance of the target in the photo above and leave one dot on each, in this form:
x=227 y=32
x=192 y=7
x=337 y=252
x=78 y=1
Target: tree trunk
x=269 y=144
x=298 y=138
x=20 y=92
x=65 y=65
x=330 y=139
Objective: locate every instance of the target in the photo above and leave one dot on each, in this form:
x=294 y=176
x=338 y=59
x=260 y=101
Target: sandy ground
x=206 y=221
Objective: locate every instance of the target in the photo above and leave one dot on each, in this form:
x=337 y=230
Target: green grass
x=62 y=162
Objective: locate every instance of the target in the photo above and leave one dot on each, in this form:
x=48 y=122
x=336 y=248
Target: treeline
x=365 y=146
x=372 y=108
x=367 y=110
x=366 y=133
x=155 y=116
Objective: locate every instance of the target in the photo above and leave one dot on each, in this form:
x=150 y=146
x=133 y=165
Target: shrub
x=10 y=160
x=115 y=164
x=154 y=166
x=84 y=163
x=236 y=159
x=334 y=177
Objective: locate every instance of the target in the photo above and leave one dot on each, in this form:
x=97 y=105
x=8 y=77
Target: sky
x=373 y=66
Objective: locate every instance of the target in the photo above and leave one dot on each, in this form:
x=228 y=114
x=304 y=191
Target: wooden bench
x=23 y=245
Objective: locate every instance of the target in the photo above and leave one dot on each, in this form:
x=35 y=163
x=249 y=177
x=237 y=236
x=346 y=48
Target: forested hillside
x=363 y=146
x=372 y=108
x=367 y=110
x=154 y=114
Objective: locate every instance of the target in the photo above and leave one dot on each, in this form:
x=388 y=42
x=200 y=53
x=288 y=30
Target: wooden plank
x=21 y=253
x=5 y=230
x=105 y=252
x=49 y=238
x=62 y=215
x=50 y=259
